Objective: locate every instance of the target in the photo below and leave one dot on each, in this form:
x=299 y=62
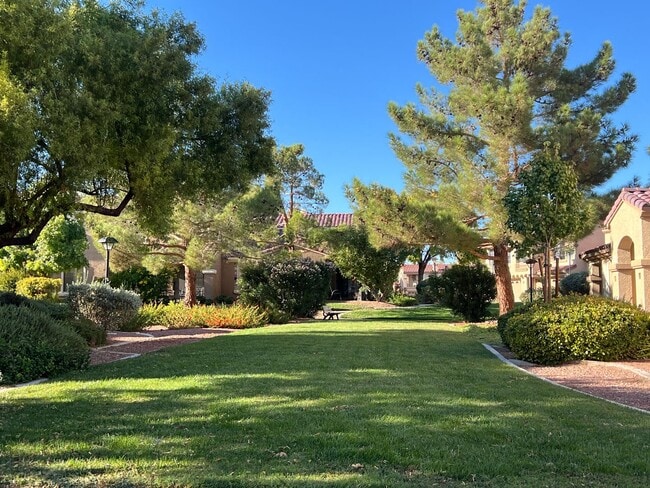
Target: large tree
x=502 y=93
x=409 y=221
x=199 y=232
x=101 y=105
x=374 y=268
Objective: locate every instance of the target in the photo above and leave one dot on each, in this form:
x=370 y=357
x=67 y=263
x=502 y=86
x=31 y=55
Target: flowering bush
x=107 y=307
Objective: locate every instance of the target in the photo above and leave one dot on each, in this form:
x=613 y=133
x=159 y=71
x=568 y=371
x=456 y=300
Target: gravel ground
x=624 y=382
x=125 y=345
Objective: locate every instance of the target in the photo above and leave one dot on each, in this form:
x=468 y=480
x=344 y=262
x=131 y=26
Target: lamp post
x=107 y=243
x=530 y=262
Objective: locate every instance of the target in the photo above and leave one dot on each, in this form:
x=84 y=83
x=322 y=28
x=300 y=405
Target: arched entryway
x=626 y=279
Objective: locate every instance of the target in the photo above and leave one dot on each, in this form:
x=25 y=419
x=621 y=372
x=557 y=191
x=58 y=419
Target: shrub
x=538 y=294
x=150 y=287
x=234 y=316
x=402 y=300
x=296 y=287
x=107 y=307
x=11 y=298
x=10 y=277
x=577 y=327
x=178 y=316
x=39 y=288
x=58 y=311
x=93 y=334
x=467 y=290
x=32 y=345
x=502 y=322
x=429 y=290
x=575 y=283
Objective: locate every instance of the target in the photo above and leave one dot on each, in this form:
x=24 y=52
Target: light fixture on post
x=107 y=243
x=531 y=263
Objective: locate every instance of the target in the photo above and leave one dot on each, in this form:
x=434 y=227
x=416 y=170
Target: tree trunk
x=547 y=273
x=422 y=266
x=505 y=295
x=190 y=287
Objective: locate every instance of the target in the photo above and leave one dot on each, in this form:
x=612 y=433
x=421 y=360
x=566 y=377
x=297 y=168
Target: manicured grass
x=386 y=398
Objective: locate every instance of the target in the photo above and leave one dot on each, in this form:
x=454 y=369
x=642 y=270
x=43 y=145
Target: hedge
x=33 y=345
x=577 y=327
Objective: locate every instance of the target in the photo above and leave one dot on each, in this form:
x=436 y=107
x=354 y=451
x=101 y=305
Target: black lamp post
x=108 y=243
x=530 y=262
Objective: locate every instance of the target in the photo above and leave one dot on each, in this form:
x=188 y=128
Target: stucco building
x=620 y=266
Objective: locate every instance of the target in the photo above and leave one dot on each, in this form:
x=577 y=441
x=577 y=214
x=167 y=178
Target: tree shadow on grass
x=298 y=409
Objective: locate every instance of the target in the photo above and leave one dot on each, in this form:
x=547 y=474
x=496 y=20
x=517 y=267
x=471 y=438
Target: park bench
x=328 y=313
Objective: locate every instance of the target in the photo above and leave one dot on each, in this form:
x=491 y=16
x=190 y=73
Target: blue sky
x=332 y=67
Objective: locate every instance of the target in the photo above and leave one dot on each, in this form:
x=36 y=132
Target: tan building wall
x=628 y=231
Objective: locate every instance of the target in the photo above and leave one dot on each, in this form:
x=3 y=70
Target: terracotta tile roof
x=325 y=219
x=637 y=197
x=413 y=268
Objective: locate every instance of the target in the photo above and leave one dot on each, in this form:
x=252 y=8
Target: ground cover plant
x=398 y=397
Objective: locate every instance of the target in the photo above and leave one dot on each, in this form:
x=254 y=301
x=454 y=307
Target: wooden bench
x=330 y=314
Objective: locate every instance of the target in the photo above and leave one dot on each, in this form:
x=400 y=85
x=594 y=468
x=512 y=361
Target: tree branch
x=110 y=212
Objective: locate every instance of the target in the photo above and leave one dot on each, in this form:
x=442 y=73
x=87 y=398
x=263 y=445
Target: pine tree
x=503 y=93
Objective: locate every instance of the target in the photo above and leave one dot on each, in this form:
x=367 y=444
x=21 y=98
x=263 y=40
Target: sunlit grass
x=399 y=397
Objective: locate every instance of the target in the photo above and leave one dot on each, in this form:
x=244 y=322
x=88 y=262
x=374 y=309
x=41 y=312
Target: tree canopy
x=103 y=105
x=199 y=232
x=502 y=94
x=545 y=207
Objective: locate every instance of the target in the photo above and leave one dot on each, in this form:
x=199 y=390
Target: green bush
x=39 y=288
x=577 y=327
x=430 y=290
x=93 y=334
x=402 y=300
x=32 y=345
x=575 y=283
x=10 y=277
x=11 y=298
x=538 y=294
x=58 y=311
x=295 y=288
x=150 y=287
x=467 y=289
x=107 y=307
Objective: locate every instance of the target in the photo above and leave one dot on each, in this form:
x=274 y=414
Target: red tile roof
x=637 y=197
x=325 y=219
x=413 y=268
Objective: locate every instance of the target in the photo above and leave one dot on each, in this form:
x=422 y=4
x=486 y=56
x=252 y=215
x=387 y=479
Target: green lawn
x=388 y=398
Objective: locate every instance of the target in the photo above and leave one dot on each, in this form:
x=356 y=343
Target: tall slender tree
x=502 y=93
x=545 y=207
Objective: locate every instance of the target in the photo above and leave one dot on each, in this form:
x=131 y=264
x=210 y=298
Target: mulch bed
x=624 y=382
x=125 y=345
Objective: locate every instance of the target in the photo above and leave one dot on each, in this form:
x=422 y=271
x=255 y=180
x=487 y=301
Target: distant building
x=407 y=279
